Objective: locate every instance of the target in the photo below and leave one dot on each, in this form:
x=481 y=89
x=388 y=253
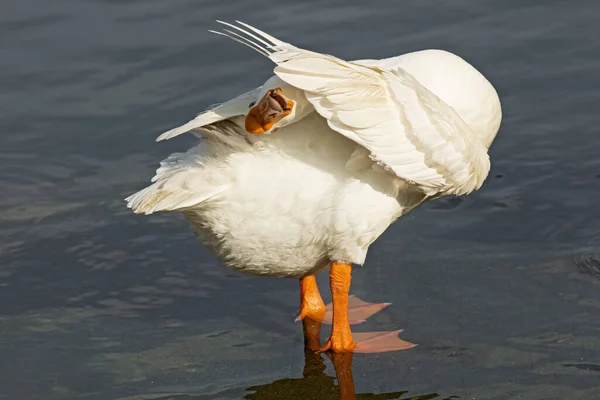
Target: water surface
x=498 y=288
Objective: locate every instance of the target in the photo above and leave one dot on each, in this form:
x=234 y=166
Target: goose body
x=282 y=204
x=345 y=149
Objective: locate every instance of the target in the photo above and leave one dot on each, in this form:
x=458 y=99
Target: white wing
x=232 y=108
x=406 y=128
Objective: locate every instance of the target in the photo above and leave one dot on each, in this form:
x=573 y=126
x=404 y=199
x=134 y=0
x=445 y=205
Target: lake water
x=499 y=289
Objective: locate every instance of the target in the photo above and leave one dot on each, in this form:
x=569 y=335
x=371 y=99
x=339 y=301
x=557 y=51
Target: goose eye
x=251 y=104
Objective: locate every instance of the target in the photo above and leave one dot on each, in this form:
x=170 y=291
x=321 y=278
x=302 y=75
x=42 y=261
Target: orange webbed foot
x=367 y=342
x=342 y=340
x=380 y=342
x=358 y=310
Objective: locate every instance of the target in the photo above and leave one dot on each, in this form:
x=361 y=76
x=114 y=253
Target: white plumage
x=366 y=142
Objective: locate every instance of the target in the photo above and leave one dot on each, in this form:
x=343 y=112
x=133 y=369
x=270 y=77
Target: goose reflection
x=315 y=385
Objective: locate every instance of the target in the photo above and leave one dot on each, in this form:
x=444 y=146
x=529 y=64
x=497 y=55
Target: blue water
x=499 y=289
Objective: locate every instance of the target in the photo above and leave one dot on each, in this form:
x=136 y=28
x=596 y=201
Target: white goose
x=356 y=145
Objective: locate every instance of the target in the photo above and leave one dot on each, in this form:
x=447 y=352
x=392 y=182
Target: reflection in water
x=314 y=384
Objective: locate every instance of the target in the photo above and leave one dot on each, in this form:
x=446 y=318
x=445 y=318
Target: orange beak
x=273 y=107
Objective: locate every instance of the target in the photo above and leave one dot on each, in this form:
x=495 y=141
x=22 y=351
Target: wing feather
x=405 y=127
x=232 y=108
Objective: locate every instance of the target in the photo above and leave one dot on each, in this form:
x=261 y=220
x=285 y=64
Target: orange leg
x=311 y=303
x=341 y=336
